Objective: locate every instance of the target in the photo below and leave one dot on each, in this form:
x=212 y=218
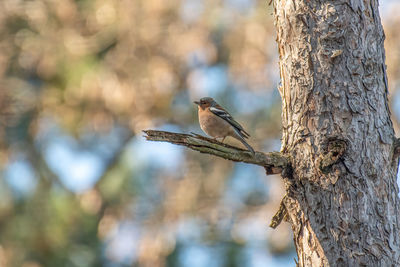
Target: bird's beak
x=196 y=102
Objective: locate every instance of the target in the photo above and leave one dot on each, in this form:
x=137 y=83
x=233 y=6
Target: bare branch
x=273 y=162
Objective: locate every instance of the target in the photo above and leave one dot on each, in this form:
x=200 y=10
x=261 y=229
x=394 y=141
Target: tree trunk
x=342 y=199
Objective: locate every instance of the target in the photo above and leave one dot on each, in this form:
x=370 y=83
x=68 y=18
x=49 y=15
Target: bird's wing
x=223 y=114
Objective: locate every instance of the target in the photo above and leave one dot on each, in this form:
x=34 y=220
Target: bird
x=216 y=122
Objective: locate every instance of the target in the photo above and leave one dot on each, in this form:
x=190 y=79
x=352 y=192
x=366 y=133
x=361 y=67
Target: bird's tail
x=241 y=139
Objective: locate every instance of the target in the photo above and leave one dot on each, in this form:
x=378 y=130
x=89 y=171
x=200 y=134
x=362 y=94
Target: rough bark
x=342 y=199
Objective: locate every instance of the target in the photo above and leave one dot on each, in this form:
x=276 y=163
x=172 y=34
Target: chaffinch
x=216 y=122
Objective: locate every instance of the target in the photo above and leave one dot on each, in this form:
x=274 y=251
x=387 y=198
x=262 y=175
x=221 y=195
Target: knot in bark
x=334 y=150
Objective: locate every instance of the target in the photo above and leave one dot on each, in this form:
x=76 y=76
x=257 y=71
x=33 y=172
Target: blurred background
x=80 y=80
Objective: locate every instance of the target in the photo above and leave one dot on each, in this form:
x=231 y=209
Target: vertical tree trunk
x=342 y=199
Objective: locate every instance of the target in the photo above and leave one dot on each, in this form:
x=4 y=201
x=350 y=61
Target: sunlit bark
x=344 y=211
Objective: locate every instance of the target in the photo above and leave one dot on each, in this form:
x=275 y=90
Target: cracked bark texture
x=334 y=91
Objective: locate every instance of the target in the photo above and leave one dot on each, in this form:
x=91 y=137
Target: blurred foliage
x=80 y=79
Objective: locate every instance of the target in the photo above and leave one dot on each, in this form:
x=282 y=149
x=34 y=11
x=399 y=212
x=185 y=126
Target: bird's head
x=205 y=102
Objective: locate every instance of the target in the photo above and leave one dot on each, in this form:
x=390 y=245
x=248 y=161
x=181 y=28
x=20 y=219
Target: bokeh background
x=80 y=80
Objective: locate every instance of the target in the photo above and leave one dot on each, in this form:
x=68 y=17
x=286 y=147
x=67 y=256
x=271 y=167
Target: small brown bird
x=216 y=122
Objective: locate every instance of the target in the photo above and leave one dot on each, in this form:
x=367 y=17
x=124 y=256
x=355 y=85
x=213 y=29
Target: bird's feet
x=222 y=140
